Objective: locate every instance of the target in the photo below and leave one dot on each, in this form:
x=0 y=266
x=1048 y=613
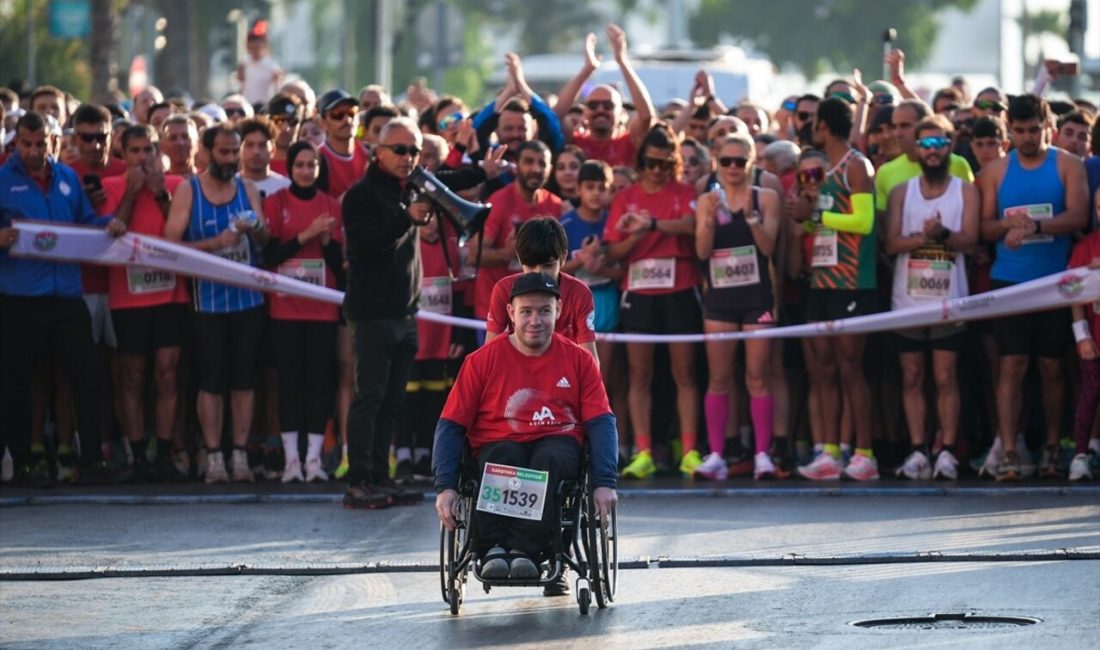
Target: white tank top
x=931 y=272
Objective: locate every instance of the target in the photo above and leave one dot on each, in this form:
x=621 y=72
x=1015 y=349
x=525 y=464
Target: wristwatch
x=163 y=196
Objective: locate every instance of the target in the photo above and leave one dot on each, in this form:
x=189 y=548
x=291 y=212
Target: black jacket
x=383 y=256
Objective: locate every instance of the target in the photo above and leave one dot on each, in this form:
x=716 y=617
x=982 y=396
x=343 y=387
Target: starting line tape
x=61 y=243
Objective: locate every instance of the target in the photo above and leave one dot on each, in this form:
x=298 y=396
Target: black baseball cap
x=281 y=105
x=334 y=98
x=534 y=283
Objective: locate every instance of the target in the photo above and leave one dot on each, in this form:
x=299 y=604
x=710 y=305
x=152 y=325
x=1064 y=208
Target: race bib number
x=1036 y=212
x=825 y=201
x=306 y=270
x=734 y=267
x=241 y=253
x=513 y=491
x=141 y=280
x=930 y=278
x=435 y=295
x=825 y=252
x=652 y=273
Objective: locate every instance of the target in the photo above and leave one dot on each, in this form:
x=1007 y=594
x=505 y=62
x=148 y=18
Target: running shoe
x=1079 y=469
x=915 y=468
x=1049 y=462
x=992 y=460
x=314 y=472
x=947 y=466
x=363 y=496
x=739 y=463
x=1009 y=469
x=215 y=468
x=763 y=467
x=640 y=466
x=862 y=468
x=494 y=566
x=404 y=471
x=399 y=496
x=239 y=468
x=690 y=462
x=292 y=470
x=343 y=467
x=66 y=466
x=713 y=468
x=822 y=468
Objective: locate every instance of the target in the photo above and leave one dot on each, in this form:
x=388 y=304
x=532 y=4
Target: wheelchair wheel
x=451 y=546
x=584 y=599
x=603 y=554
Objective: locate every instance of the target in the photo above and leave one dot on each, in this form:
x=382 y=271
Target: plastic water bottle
x=724 y=217
x=247 y=218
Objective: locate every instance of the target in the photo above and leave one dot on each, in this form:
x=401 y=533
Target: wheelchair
x=594 y=544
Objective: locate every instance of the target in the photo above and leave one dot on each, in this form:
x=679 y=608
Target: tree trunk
x=104 y=49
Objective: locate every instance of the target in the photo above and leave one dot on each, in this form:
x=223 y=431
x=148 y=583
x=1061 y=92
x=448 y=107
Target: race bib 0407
x=652 y=273
x=734 y=267
x=513 y=491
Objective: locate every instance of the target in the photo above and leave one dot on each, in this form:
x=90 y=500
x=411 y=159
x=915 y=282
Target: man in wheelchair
x=526 y=400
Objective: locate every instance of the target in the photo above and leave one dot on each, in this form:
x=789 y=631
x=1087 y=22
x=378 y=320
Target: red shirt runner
x=344 y=171
x=660 y=251
x=1084 y=252
x=287 y=215
x=578 y=311
x=92 y=276
x=437 y=296
x=502 y=394
x=614 y=152
x=509 y=212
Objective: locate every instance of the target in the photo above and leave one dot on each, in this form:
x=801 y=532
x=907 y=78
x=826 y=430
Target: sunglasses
x=812 y=175
x=403 y=149
x=343 y=115
x=740 y=161
x=804 y=115
x=234 y=112
x=101 y=138
x=933 y=142
x=285 y=121
x=449 y=120
x=790 y=106
x=845 y=96
x=990 y=105
x=597 y=104
x=663 y=164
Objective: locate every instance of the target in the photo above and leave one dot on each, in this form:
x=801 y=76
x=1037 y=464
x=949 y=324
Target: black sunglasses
x=403 y=149
x=740 y=161
x=804 y=115
x=101 y=138
x=596 y=104
x=664 y=164
x=230 y=112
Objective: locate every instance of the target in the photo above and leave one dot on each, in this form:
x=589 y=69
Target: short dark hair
x=989 y=127
x=160 y=106
x=1075 y=117
x=31 y=121
x=541 y=241
x=91 y=114
x=139 y=131
x=211 y=134
x=47 y=89
x=836 y=115
x=538 y=146
x=661 y=137
x=1027 y=107
x=808 y=97
x=516 y=105
x=379 y=110
x=918 y=106
x=701 y=113
x=256 y=124
x=595 y=170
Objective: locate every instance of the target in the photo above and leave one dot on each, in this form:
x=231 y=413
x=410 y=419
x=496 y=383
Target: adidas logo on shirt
x=564 y=383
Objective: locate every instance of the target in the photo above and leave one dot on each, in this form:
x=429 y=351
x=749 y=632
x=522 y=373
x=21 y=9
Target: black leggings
x=305 y=353
x=228 y=349
x=426 y=394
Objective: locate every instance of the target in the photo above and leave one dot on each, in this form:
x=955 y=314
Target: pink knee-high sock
x=717 y=409
x=762 y=409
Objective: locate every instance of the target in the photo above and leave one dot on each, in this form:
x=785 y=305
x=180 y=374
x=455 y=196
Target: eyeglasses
x=597 y=104
x=811 y=175
x=933 y=142
x=234 y=112
x=663 y=164
x=989 y=105
x=101 y=138
x=339 y=115
x=804 y=115
x=449 y=120
x=403 y=149
x=740 y=161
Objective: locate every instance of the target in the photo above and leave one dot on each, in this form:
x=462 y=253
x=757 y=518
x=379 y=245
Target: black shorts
x=144 y=329
x=741 y=316
x=666 y=313
x=1045 y=334
x=835 y=304
x=228 y=349
x=948 y=338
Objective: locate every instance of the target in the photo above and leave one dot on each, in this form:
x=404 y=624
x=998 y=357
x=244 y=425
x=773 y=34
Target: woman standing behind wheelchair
x=306 y=233
x=736 y=226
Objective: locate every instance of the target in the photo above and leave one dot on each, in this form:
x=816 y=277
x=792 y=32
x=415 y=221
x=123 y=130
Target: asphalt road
x=1030 y=556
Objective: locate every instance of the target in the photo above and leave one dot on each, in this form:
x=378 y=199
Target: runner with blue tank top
x=1032 y=202
x=218 y=213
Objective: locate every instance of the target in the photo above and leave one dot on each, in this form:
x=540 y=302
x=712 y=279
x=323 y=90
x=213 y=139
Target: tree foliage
x=815 y=35
x=544 y=26
x=62 y=62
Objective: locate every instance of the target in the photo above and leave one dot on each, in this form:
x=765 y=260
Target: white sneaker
x=1027 y=461
x=714 y=468
x=215 y=468
x=916 y=467
x=993 y=459
x=823 y=468
x=293 y=470
x=762 y=466
x=1079 y=468
x=314 y=471
x=862 y=468
x=182 y=461
x=239 y=469
x=947 y=466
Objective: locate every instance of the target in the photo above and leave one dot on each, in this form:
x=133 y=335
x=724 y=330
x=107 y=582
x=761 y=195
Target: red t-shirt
x=673 y=201
x=615 y=151
x=279 y=167
x=1084 y=252
x=578 y=312
x=436 y=295
x=502 y=394
x=509 y=212
x=92 y=276
x=287 y=215
x=131 y=287
x=344 y=171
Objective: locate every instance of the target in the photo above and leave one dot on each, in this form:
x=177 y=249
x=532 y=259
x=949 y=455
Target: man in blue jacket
x=41 y=309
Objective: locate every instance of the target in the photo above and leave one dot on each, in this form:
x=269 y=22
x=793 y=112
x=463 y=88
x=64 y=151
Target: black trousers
x=305 y=354
x=559 y=455
x=384 y=353
x=427 y=395
x=31 y=330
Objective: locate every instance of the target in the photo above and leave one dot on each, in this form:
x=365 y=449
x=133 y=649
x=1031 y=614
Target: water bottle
x=724 y=217
x=247 y=218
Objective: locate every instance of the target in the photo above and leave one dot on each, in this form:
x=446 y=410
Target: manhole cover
x=947 y=622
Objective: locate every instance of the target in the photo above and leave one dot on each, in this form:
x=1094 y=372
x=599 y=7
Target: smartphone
x=92 y=183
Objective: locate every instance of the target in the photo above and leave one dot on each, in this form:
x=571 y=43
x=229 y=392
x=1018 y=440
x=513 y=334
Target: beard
x=936 y=173
x=223 y=171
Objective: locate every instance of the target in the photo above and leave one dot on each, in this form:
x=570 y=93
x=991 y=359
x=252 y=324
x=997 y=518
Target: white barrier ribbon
x=84 y=244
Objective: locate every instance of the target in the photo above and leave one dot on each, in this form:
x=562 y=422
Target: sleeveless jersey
x=931 y=272
x=1039 y=194
x=841 y=260
x=737 y=272
x=209 y=220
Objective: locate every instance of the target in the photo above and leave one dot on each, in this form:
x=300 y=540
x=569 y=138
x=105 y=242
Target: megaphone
x=467 y=217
